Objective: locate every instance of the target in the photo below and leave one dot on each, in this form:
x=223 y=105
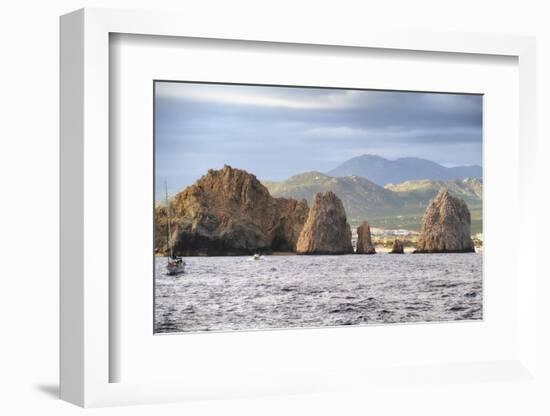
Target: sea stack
x=229 y=212
x=364 y=242
x=397 y=247
x=445 y=226
x=326 y=230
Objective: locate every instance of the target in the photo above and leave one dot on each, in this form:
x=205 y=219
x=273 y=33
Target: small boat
x=175 y=265
x=256 y=257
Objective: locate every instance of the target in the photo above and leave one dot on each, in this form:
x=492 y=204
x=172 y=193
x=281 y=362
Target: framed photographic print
x=271 y=212
x=277 y=193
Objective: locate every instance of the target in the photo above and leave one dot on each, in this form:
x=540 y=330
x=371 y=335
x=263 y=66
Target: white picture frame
x=86 y=355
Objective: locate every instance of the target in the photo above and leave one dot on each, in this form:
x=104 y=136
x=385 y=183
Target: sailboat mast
x=169 y=220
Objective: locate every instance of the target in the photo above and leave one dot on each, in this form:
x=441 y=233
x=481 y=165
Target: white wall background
x=29 y=209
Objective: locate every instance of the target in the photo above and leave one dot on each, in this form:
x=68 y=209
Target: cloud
x=260 y=96
x=392 y=132
x=276 y=132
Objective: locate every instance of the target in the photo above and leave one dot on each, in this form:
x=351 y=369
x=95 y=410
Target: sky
x=277 y=132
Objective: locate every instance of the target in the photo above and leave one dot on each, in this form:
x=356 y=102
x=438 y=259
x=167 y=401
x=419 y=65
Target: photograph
x=279 y=207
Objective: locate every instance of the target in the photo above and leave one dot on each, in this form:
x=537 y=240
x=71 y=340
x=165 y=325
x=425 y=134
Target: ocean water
x=238 y=293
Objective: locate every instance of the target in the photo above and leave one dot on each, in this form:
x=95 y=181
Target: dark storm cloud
x=276 y=132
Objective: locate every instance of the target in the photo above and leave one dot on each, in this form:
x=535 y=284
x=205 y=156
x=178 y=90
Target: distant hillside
x=416 y=193
x=394 y=206
x=359 y=195
x=383 y=171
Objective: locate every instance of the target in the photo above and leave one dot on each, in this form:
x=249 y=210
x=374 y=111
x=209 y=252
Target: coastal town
x=383 y=239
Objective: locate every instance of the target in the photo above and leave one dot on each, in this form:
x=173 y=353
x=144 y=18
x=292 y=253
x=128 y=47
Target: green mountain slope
x=416 y=193
x=393 y=206
x=359 y=195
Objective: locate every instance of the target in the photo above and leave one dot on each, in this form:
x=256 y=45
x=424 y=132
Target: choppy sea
x=239 y=293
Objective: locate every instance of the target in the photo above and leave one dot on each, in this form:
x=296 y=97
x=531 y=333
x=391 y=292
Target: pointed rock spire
x=364 y=241
x=445 y=226
x=326 y=230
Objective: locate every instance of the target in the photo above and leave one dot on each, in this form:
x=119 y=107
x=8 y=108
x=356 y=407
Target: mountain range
x=384 y=171
x=393 y=206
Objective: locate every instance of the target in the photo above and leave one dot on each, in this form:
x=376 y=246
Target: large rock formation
x=229 y=212
x=445 y=226
x=326 y=230
x=364 y=242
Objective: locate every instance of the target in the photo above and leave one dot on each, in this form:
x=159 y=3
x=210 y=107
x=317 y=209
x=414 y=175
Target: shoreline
x=379 y=250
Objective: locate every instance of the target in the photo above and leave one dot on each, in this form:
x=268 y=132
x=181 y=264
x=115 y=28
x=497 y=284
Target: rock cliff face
x=229 y=212
x=364 y=242
x=397 y=247
x=445 y=226
x=161 y=227
x=289 y=217
x=326 y=230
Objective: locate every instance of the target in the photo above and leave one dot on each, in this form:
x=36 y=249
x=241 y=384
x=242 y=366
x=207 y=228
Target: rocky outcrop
x=397 y=247
x=229 y=212
x=161 y=228
x=289 y=217
x=326 y=230
x=364 y=241
x=445 y=226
